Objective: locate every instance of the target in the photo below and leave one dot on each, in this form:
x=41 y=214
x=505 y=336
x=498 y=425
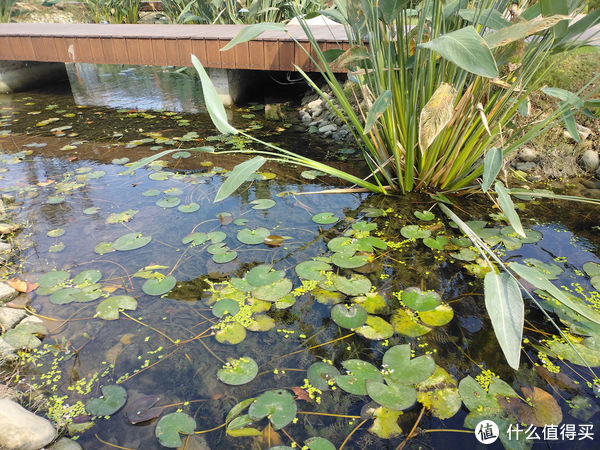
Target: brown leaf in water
x=544 y=410
x=269 y=438
x=45 y=183
x=111 y=288
x=274 y=240
x=301 y=394
x=225 y=219
x=21 y=285
x=560 y=379
x=142 y=409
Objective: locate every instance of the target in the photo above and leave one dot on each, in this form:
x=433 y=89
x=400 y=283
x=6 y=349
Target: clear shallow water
x=181 y=373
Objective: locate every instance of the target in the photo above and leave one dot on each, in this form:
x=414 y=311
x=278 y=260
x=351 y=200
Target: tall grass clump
x=113 y=11
x=6 y=9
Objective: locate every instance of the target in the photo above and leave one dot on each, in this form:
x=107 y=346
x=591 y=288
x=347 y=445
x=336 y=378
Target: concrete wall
x=17 y=76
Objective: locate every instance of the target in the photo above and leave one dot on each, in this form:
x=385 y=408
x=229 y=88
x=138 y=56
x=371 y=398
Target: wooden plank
x=6 y=51
x=242 y=57
x=133 y=51
x=62 y=48
x=171 y=53
x=97 y=50
x=159 y=52
x=199 y=49
x=108 y=50
x=256 y=54
x=184 y=51
x=300 y=57
x=83 y=50
x=271 y=55
x=228 y=56
x=26 y=49
x=46 y=49
x=213 y=55
x=286 y=55
x=120 y=49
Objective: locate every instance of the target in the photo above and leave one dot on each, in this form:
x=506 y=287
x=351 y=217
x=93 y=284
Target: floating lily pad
x=168 y=202
x=181 y=155
x=274 y=291
x=349 y=262
x=376 y=328
x=195 y=238
x=87 y=276
x=120 y=161
x=104 y=247
x=69 y=295
x=225 y=306
x=319 y=443
x=253 y=237
x=349 y=316
x=465 y=254
x=215 y=249
x=24 y=335
x=361 y=225
x=311 y=270
x=414 y=232
x=159 y=286
x=53 y=278
x=591 y=268
x=231 y=333
x=121 y=217
x=404 y=370
x=415 y=299
x=369 y=243
x=327 y=297
x=189 y=208
x=424 y=215
x=311 y=174
x=113 y=398
x=131 y=241
x=238 y=371
x=261 y=322
x=393 y=396
x=355 y=285
x=216 y=236
x=109 y=308
x=437 y=317
x=224 y=257
x=343 y=244
x=385 y=424
x=359 y=372
x=240 y=222
x=262 y=203
x=57 y=247
x=439 y=243
x=278 y=405
x=439 y=393
x=263 y=275
x=91 y=210
x=151 y=193
x=55 y=199
x=325 y=218
x=169 y=426
x=56 y=232
x=543 y=408
x=320 y=374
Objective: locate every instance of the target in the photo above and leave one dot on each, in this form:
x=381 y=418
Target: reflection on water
x=135 y=87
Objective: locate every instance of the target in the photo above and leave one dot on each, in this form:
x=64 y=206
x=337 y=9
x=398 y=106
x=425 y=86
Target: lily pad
x=109 y=308
x=87 y=277
x=24 y=335
x=325 y=218
x=343 y=244
x=355 y=285
x=424 y=215
x=181 y=155
x=278 y=405
x=274 y=291
x=262 y=203
x=55 y=200
x=349 y=316
x=439 y=393
x=439 y=243
x=319 y=443
x=320 y=374
x=376 y=328
x=231 y=333
x=359 y=372
x=385 y=424
x=91 y=210
x=131 y=241
x=311 y=270
x=195 y=238
x=121 y=217
x=169 y=426
x=225 y=306
x=224 y=257
x=393 y=396
x=349 y=262
x=437 y=317
x=159 y=286
x=56 y=232
x=414 y=232
x=551 y=271
x=404 y=370
x=361 y=225
x=253 y=237
x=543 y=408
x=261 y=322
x=189 y=208
x=263 y=275
x=57 y=247
x=327 y=297
x=238 y=371
x=151 y=193
x=415 y=299
x=142 y=409
x=465 y=254
x=168 y=202
x=113 y=398
x=215 y=249
x=53 y=278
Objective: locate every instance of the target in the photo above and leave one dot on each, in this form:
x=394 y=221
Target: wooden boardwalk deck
x=162 y=45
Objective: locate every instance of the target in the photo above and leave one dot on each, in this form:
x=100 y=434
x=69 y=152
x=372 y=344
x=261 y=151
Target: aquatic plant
x=113 y=11
x=6 y=9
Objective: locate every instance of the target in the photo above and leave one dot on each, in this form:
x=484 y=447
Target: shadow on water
x=75 y=206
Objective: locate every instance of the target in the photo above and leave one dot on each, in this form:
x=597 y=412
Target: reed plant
x=6 y=10
x=113 y=11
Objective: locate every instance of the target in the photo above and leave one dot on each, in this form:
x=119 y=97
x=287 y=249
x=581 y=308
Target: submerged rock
x=21 y=429
x=9 y=317
x=65 y=444
x=7 y=293
x=8 y=228
x=590 y=161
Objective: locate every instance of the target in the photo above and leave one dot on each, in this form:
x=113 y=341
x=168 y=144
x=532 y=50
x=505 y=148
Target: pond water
x=174 y=285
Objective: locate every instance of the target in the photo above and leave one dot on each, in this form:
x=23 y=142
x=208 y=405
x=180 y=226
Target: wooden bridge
x=163 y=45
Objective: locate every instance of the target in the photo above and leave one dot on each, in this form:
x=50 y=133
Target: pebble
x=22 y=430
x=8 y=228
x=7 y=352
x=5 y=251
x=65 y=444
x=590 y=160
x=330 y=128
x=526 y=166
x=7 y=293
x=527 y=154
x=9 y=317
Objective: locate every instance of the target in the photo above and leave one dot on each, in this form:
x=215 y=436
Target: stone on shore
x=21 y=429
x=65 y=444
x=7 y=293
x=590 y=160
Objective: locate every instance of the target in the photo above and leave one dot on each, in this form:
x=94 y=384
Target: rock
x=7 y=293
x=7 y=352
x=590 y=161
x=33 y=319
x=274 y=111
x=526 y=166
x=9 y=317
x=584 y=132
x=8 y=228
x=328 y=128
x=316 y=112
x=304 y=117
x=7 y=198
x=65 y=444
x=315 y=104
x=5 y=250
x=22 y=430
x=527 y=154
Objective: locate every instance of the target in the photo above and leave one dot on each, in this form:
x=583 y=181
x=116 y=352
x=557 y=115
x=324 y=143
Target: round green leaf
x=394 y=396
x=404 y=370
x=156 y=286
x=325 y=218
x=343 y=244
x=262 y=203
x=55 y=200
x=216 y=236
x=225 y=306
x=168 y=202
x=320 y=374
x=231 y=333
x=273 y=292
x=253 y=237
x=91 y=210
x=361 y=225
x=238 y=371
x=57 y=247
x=131 y=241
x=169 y=426
x=190 y=208
x=195 y=238
x=311 y=270
x=261 y=322
x=180 y=155
x=23 y=335
x=376 y=328
x=424 y=215
x=441 y=315
x=53 y=278
x=414 y=232
x=355 y=285
x=87 y=276
x=327 y=297
x=406 y=323
x=215 y=249
x=415 y=299
x=151 y=193
x=359 y=372
x=439 y=394
x=263 y=275
x=113 y=398
x=278 y=405
x=439 y=243
x=56 y=232
x=224 y=257
x=349 y=316
x=104 y=247
x=349 y=262
x=319 y=443
x=109 y=308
